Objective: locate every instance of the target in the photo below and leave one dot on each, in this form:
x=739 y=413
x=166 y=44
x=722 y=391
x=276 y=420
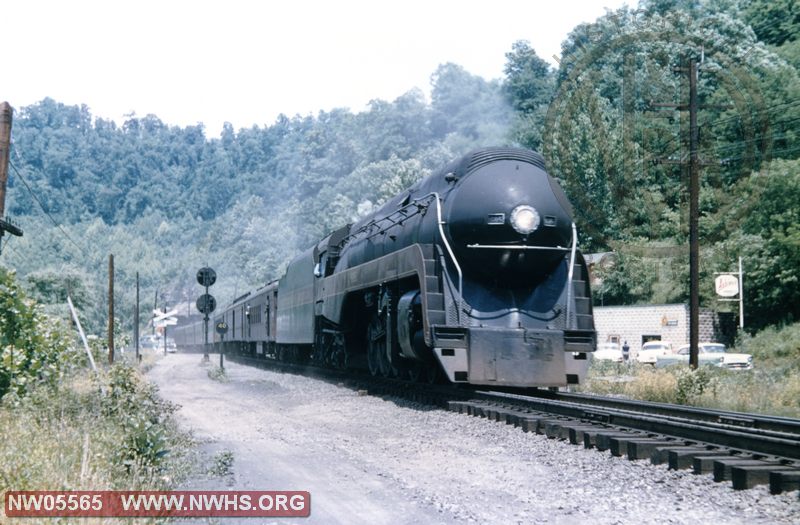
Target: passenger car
x=713 y=354
x=651 y=350
x=609 y=352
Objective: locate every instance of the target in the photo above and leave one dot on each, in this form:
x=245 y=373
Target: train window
x=321 y=268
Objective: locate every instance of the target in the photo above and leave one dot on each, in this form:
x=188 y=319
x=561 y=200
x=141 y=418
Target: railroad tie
x=660 y=455
x=746 y=477
x=723 y=467
x=600 y=438
x=684 y=458
x=644 y=448
x=784 y=481
x=577 y=432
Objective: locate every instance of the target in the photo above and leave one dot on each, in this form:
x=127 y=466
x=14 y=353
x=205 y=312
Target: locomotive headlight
x=525 y=219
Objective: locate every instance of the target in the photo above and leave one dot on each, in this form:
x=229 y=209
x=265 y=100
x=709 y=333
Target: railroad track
x=745 y=449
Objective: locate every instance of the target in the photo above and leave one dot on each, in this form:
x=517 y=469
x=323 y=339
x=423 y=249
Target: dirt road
x=374 y=461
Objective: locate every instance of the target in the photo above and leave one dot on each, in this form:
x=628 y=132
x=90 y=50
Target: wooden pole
x=5 y=150
x=111 y=309
x=5 y=154
x=136 y=321
x=694 y=215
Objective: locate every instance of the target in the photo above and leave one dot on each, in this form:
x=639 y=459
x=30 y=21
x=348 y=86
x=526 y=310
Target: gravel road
x=374 y=461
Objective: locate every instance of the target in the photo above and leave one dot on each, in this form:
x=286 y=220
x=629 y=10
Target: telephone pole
x=136 y=322
x=694 y=205
x=694 y=217
x=111 y=309
x=5 y=153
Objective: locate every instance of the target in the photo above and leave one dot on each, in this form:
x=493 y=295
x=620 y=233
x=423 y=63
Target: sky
x=247 y=61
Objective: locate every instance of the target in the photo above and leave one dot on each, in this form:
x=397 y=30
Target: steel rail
x=772 y=436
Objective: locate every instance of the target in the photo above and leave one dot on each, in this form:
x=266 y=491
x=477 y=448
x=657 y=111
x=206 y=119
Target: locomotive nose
x=509 y=221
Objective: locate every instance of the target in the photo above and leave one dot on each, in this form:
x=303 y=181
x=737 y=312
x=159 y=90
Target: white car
x=609 y=352
x=709 y=354
x=651 y=350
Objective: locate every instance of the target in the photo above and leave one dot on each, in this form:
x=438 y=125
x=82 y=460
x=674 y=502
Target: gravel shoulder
x=370 y=460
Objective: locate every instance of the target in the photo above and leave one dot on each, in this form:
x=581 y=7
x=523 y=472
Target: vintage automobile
x=713 y=354
x=651 y=350
x=150 y=343
x=608 y=352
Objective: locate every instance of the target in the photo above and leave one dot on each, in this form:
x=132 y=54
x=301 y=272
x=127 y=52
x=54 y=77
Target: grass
x=772 y=387
x=218 y=374
x=76 y=437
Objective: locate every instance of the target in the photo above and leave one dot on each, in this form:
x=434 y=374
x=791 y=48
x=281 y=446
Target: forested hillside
x=167 y=200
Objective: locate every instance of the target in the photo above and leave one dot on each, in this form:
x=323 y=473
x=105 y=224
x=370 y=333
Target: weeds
x=218 y=374
x=222 y=465
x=75 y=437
x=772 y=387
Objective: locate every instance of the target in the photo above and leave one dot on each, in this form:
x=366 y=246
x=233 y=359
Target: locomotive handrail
x=518 y=247
x=570 y=272
x=419 y=209
x=449 y=251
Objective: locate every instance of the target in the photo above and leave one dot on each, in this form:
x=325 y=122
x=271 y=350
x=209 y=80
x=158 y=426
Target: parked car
x=149 y=343
x=714 y=354
x=609 y=352
x=651 y=350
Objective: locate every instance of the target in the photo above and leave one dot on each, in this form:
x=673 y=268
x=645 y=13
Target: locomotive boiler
x=472 y=274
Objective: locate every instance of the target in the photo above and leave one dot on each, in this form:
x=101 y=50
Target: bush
x=691 y=384
x=33 y=348
x=767 y=389
x=75 y=436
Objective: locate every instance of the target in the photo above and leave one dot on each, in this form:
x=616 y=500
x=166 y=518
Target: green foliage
x=222 y=464
x=628 y=280
x=529 y=87
x=774 y=21
x=218 y=374
x=691 y=384
x=763 y=225
x=767 y=389
x=166 y=200
x=141 y=415
x=33 y=348
x=120 y=438
x=779 y=347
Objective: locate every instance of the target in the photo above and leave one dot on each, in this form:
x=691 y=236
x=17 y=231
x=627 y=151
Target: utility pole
x=155 y=307
x=694 y=207
x=111 y=309
x=136 y=322
x=165 y=329
x=694 y=216
x=5 y=154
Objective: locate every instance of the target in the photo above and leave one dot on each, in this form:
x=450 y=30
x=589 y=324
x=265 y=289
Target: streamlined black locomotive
x=473 y=273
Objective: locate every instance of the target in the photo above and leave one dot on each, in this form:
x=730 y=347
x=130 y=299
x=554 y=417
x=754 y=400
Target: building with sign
x=659 y=322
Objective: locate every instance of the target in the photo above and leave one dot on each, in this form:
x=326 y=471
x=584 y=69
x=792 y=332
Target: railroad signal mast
x=206 y=303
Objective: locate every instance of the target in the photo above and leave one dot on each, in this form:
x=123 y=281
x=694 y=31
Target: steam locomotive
x=473 y=274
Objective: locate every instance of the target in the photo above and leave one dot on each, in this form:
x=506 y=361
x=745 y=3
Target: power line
x=41 y=206
x=789 y=103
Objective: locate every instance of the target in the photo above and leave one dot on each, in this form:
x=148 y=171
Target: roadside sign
x=206 y=276
x=222 y=327
x=726 y=285
x=206 y=303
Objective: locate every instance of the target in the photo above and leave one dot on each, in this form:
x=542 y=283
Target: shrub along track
x=745 y=449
